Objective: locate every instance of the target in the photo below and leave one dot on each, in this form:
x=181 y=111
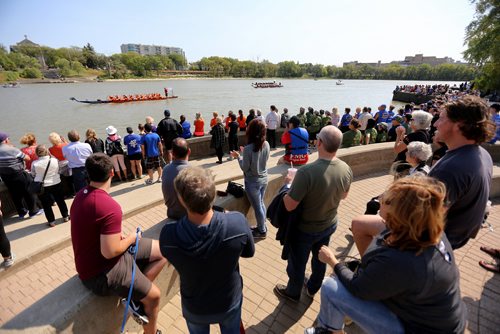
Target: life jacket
x=297 y=151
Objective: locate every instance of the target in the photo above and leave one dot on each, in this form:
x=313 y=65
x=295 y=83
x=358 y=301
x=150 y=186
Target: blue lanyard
x=133 y=249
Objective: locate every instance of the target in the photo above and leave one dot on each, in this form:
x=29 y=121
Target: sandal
x=490 y=266
x=491 y=251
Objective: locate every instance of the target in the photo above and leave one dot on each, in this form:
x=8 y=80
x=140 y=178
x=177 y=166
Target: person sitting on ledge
x=407 y=281
x=102 y=259
x=296 y=140
x=353 y=136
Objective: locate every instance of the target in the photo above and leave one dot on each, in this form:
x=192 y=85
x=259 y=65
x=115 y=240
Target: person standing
x=272 y=123
x=180 y=154
x=47 y=173
x=29 y=140
x=218 y=139
x=296 y=141
x=100 y=248
x=363 y=119
x=318 y=187
x=133 y=143
x=151 y=149
x=466 y=168
x=345 y=121
x=76 y=153
x=15 y=178
x=232 y=136
x=168 y=129
x=250 y=117
x=97 y=144
x=115 y=151
x=205 y=247
x=8 y=256
x=285 y=117
x=302 y=117
x=253 y=163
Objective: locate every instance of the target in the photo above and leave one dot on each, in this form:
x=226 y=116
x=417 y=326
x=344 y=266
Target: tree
x=483 y=43
x=90 y=57
x=31 y=73
x=178 y=60
x=289 y=69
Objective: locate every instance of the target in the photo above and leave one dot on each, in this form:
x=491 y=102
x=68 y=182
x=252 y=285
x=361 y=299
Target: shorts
x=116 y=281
x=137 y=156
x=167 y=145
x=152 y=162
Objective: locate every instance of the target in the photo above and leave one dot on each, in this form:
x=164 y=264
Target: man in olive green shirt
x=318 y=187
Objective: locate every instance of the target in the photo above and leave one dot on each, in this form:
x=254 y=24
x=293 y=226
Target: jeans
x=302 y=244
x=371 y=316
x=53 y=193
x=230 y=325
x=79 y=178
x=4 y=242
x=17 y=184
x=255 y=193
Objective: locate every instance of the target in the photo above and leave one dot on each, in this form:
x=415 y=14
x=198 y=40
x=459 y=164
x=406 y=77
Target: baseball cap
x=398 y=118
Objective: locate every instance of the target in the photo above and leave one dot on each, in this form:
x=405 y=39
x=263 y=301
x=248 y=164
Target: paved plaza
x=263 y=312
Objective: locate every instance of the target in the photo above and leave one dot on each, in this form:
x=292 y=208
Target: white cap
x=111 y=130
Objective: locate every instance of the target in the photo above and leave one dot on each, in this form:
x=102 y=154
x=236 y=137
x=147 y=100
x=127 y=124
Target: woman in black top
x=95 y=143
x=407 y=281
x=218 y=139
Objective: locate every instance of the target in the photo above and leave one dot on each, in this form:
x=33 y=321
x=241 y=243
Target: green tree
x=483 y=43
x=89 y=56
x=289 y=69
x=11 y=76
x=178 y=60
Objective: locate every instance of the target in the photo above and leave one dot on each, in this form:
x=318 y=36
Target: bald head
x=180 y=148
x=331 y=137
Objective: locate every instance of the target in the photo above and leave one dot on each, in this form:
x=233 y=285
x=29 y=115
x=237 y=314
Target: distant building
x=418 y=59
x=151 y=49
x=24 y=42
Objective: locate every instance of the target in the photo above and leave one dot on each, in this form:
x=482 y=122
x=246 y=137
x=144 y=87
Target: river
x=43 y=108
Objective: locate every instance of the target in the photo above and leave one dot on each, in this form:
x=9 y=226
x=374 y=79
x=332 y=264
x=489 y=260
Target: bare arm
x=399 y=145
x=290 y=203
x=113 y=245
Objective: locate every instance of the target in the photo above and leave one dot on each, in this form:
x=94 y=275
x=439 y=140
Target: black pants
x=271 y=137
x=233 y=142
x=79 y=178
x=4 y=242
x=18 y=187
x=51 y=194
x=219 y=151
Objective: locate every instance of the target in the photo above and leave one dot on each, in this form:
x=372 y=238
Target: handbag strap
x=46 y=170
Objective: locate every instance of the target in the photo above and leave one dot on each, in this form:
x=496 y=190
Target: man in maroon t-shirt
x=102 y=261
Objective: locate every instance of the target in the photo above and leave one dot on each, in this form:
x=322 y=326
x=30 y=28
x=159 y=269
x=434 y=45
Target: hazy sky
x=328 y=32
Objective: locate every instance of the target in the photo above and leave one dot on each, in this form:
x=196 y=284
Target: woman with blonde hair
x=95 y=143
x=58 y=143
x=213 y=121
x=407 y=281
x=199 y=125
x=29 y=140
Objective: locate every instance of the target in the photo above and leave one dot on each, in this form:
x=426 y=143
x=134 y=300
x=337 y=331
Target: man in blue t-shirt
x=495 y=117
x=133 y=142
x=151 y=148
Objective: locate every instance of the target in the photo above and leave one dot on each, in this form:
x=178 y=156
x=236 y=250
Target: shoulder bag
x=37 y=187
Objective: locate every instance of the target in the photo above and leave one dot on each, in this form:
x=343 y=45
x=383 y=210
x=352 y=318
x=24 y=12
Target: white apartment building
x=151 y=49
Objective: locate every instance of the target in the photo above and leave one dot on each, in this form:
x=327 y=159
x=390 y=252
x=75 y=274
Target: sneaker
x=280 y=290
x=9 y=261
x=24 y=214
x=311 y=295
x=39 y=212
x=316 y=330
x=149 y=182
x=136 y=310
x=258 y=235
x=66 y=219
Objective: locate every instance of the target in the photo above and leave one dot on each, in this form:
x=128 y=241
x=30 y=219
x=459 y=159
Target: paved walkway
x=263 y=312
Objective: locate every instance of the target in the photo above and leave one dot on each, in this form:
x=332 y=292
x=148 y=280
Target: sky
x=327 y=32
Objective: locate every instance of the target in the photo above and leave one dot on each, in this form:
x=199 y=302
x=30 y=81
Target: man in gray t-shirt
x=180 y=153
x=318 y=188
x=466 y=168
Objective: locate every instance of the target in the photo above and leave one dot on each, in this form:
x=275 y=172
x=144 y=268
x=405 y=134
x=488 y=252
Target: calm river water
x=43 y=108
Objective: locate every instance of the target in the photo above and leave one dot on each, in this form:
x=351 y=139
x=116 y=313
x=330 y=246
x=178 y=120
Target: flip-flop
x=491 y=251
x=493 y=267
